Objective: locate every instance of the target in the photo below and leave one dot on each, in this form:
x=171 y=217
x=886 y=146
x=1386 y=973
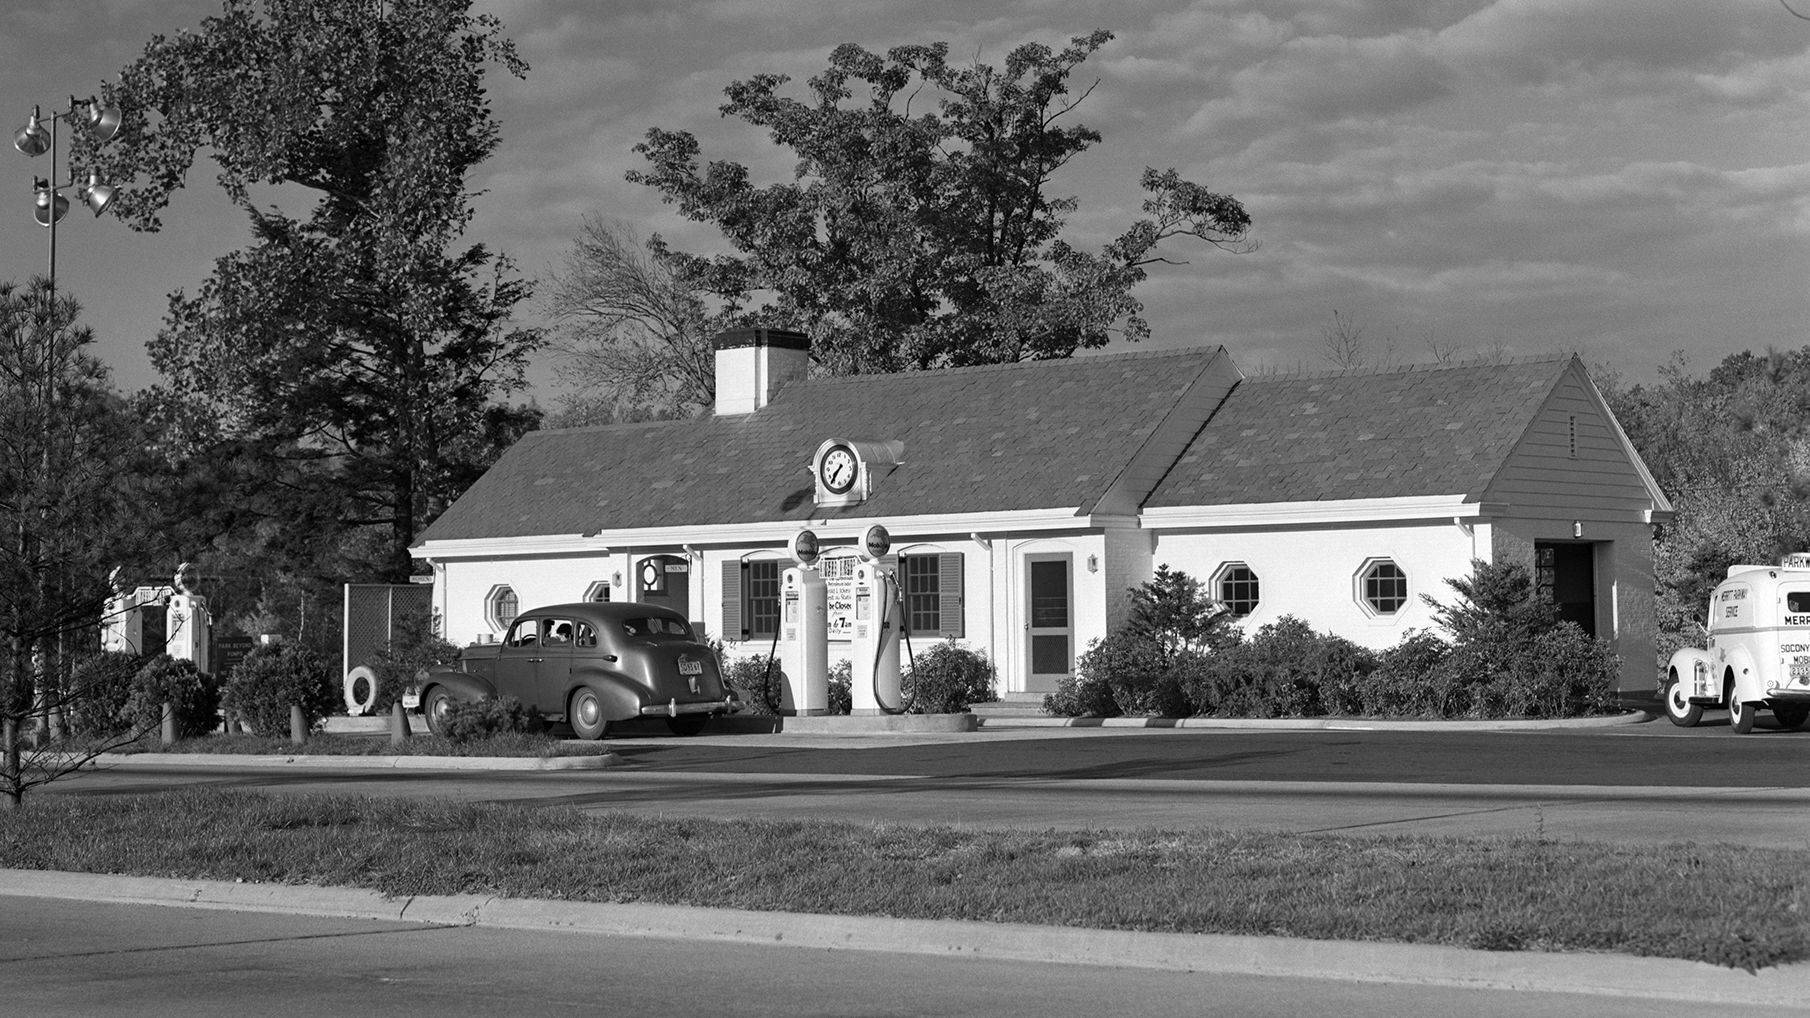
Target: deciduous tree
x=353 y=355
x=917 y=237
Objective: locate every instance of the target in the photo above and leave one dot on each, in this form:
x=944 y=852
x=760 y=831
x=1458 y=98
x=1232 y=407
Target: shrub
x=1286 y=669
x=1081 y=696
x=757 y=685
x=270 y=679
x=947 y=678
x=1512 y=657
x=194 y=700
x=100 y=686
x=842 y=686
x=1408 y=680
x=1137 y=674
x=415 y=646
x=1170 y=623
x=470 y=720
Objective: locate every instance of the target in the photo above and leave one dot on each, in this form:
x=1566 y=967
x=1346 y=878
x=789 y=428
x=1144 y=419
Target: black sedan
x=590 y=664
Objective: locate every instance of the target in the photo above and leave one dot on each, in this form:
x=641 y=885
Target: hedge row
x=1508 y=656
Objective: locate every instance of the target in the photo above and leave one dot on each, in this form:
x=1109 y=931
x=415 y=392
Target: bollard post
x=169 y=723
x=399 y=723
x=298 y=728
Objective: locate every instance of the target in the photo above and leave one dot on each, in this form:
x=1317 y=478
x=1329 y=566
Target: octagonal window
x=501 y=606
x=1235 y=585
x=1382 y=586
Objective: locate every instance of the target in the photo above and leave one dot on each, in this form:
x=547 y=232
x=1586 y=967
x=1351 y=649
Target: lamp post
x=34 y=140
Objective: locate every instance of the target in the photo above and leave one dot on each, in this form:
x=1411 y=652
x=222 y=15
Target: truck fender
x=463 y=685
x=621 y=697
x=1694 y=667
x=1746 y=675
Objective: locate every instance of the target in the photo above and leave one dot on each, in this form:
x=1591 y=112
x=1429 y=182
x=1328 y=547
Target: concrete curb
x=878 y=724
x=1322 y=724
x=1418 y=964
x=303 y=761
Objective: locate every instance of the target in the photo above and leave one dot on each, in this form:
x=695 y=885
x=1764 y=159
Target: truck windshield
x=1797 y=602
x=656 y=626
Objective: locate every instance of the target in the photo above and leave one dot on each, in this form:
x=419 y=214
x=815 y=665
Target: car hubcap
x=588 y=710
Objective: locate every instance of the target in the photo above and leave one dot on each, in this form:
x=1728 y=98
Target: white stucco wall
x=1313 y=573
x=461 y=587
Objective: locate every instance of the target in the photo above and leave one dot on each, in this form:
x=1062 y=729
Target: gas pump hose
x=880 y=652
x=766 y=682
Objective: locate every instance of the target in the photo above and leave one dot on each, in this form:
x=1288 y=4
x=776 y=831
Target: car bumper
x=673 y=708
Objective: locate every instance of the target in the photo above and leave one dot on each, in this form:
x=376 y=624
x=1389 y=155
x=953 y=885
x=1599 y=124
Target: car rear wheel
x=687 y=724
x=434 y=707
x=1740 y=714
x=1678 y=705
x=1792 y=716
x=586 y=715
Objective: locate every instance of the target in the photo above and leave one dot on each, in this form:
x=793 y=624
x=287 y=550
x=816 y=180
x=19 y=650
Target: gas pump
x=879 y=619
x=804 y=631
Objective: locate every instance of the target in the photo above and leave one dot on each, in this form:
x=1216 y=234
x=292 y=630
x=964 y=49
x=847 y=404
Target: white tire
x=361 y=691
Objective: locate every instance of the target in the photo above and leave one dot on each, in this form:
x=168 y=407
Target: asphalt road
x=66 y=957
x=1649 y=783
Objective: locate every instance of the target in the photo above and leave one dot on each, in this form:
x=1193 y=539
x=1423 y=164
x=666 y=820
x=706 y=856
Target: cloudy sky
x=1625 y=179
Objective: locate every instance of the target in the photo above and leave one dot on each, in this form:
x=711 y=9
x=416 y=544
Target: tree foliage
x=1731 y=450
x=66 y=441
x=634 y=332
x=347 y=372
x=912 y=237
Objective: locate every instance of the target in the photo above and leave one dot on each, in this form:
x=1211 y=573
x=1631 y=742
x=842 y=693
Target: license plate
x=1800 y=671
x=689 y=667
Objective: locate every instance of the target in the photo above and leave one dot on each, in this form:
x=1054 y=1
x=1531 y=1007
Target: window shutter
x=949 y=594
x=732 y=601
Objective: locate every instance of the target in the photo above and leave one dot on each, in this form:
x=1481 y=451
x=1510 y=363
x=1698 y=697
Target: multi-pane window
x=504 y=607
x=1237 y=589
x=923 y=590
x=760 y=597
x=1384 y=587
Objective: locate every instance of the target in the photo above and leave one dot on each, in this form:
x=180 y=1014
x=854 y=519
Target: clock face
x=837 y=469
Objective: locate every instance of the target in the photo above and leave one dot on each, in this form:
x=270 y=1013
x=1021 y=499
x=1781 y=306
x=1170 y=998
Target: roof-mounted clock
x=846 y=470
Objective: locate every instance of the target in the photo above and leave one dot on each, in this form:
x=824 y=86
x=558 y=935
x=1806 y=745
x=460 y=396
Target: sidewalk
x=1587 y=974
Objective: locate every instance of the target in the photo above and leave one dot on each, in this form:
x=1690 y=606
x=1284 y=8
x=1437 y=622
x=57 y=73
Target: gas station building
x=1024 y=500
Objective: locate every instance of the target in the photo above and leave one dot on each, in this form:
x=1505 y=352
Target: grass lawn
x=1725 y=904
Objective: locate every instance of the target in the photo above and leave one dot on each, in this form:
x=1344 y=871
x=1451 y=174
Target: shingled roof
x=1361 y=434
x=1044 y=435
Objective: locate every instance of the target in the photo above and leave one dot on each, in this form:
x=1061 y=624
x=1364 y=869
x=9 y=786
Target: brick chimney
x=753 y=364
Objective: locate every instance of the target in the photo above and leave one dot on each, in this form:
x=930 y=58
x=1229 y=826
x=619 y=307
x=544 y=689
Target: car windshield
x=1797 y=602
x=654 y=625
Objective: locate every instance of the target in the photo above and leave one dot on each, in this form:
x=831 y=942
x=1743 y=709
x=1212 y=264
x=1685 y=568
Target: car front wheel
x=434 y=707
x=586 y=715
x=1679 y=707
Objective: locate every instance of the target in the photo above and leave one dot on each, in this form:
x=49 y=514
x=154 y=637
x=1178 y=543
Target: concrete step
x=1011 y=705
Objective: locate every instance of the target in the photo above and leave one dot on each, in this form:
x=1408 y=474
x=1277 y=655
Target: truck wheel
x=1679 y=707
x=1792 y=716
x=586 y=715
x=1740 y=714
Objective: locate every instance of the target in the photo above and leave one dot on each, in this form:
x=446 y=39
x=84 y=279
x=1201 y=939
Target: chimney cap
x=736 y=339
